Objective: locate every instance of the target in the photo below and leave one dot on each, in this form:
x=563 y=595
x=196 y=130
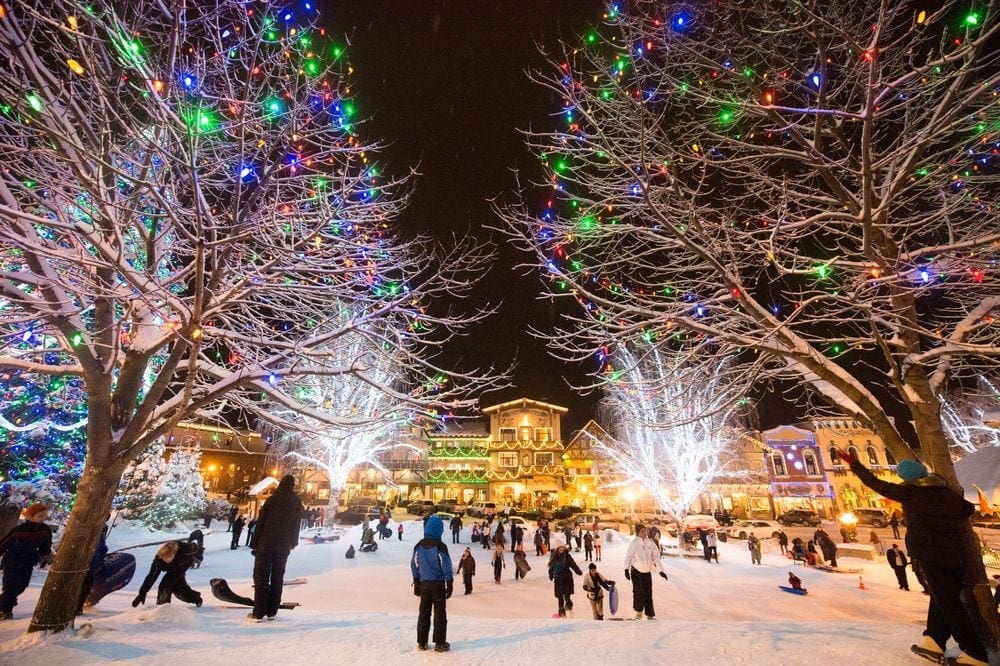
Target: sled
x=522 y=566
x=829 y=569
x=222 y=592
x=613 y=599
x=785 y=588
x=293 y=581
x=114 y=573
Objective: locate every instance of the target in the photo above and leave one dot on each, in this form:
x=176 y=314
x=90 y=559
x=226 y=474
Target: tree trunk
x=331 y=508
x=61 y=592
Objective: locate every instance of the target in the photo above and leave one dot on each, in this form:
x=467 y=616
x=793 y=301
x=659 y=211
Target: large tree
x=807 y=185
x=184 y=200
x=674 y=426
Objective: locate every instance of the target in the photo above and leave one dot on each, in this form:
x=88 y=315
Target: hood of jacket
x=433 y=528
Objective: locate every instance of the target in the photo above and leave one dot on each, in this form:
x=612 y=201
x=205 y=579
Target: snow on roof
x=266 y=483
x=981 y=468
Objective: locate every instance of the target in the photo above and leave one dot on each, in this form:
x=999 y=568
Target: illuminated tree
x=807 y=186
x=673 y=425
x=184 y=198
x=965 y=415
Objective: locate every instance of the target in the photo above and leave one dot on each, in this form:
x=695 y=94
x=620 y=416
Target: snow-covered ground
x=362 y=611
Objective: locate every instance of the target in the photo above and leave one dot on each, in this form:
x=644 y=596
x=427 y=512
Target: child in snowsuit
x=467 y=567
x=28 y=544
x=593 y=583
x=433 y=583
x=561 y=568
x=521 y=566
x=173 y=559
x=498 y=563
x=794 y=581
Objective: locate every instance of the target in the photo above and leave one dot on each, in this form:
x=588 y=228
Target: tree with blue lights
x=809 y=187
x=185 y=196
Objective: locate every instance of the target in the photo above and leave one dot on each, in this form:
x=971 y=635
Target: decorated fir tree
x=141 y=482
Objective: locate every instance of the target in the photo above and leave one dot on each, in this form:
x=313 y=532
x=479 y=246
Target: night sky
x=444 y=84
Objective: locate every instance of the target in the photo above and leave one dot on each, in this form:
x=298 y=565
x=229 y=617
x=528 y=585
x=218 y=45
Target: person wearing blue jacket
x=432 y=582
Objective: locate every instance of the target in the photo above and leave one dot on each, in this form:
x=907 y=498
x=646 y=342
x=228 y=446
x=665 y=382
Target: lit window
x=508 y=460
x=872 y=455
x=543 y=458
x=834 y=460
x=508 y=434
x=812 y=469
x=779 y=465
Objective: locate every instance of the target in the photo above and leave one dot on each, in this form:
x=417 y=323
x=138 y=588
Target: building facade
x=796 y=473
x=231 y=460
x=847 y=492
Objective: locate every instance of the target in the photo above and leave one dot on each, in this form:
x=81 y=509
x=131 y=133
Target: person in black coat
x=237 y=531
x=561 y=568
x=897 y=560
x=456 y=528
x=26 y=545
x=467 y=567
x=173 y=559
x=233 y=512
x=934 y=514
x=251 y=526
x=593 y=582
x=276 y=535
x=826 y=546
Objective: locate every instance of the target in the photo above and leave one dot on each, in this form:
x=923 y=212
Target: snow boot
x=442 y=647
x=638 y=615
x=6 y=615
x=421 y=646
x=929 y=650
x=964 y=659
x=253 y=618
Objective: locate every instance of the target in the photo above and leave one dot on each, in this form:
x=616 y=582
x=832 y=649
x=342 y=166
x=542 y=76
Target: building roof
x=590 y=431
x=524 y=402
x=463 y=429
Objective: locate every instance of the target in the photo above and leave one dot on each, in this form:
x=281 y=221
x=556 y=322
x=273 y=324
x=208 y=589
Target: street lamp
x=849 y=527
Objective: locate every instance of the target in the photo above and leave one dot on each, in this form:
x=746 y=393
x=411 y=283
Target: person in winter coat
x=432 y=582
x=894 y=524
x=474 y=535
x=597 y=545
x=521 y=566
x=794 y=581
x=251 y=528
x=96 y=562
x=467 y=567
x=173 y=559
x=456 y=528
x=641 y=558
x=594 y=585
x=826 y=546
x=798 y=549
x=276 y=535
x=498 y=562
x=561 y=568
x=703 y=538
x=568 y=535
x=539 y=542
x=26 y=545
x=237 y=531
x=897 y=560
x=812 y=555
x=578 y=537
x=935 y=534
x=233 y=512
x=783 y=542
x=588 y=546
x=399 y=531
x=486 y=535
x=516 y=537
x=711 y=546
x=753 y=545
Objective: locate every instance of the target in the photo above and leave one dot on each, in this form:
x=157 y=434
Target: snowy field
x=362 y=611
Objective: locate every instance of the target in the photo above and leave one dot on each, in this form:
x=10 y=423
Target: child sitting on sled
x=794 y=581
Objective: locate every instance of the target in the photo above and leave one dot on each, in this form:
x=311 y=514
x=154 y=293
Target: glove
x=253 y=552
x=448 y=587
x=847 y=457
x=663 y=576
x=416 y=587
x=44 y=561
x=611 y=583
x=139 y=600
x=628 y=576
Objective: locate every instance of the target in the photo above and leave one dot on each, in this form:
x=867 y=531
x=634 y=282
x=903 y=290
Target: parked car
x=871 y=516
x=761 y=528
x=421 y=507
x=480 y=509
x=532 y=514
x=445 y=517
x=566 y=511
x=449 y=504
x=988 y=520
x=805 y=517
x=586 y=520
x=652 y=517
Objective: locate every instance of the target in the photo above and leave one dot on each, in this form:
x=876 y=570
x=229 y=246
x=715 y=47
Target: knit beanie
x=35 y=509
x=911 y=470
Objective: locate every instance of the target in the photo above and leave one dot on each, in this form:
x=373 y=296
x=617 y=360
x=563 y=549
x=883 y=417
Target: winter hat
x=287 y=483
x=592 y=566
x=434 y=527
x=911 y=470
x=35 y=509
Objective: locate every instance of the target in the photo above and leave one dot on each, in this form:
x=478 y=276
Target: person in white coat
x=641 y=558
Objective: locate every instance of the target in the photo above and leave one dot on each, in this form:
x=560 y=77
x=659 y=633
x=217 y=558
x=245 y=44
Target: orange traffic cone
x=861 y=583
